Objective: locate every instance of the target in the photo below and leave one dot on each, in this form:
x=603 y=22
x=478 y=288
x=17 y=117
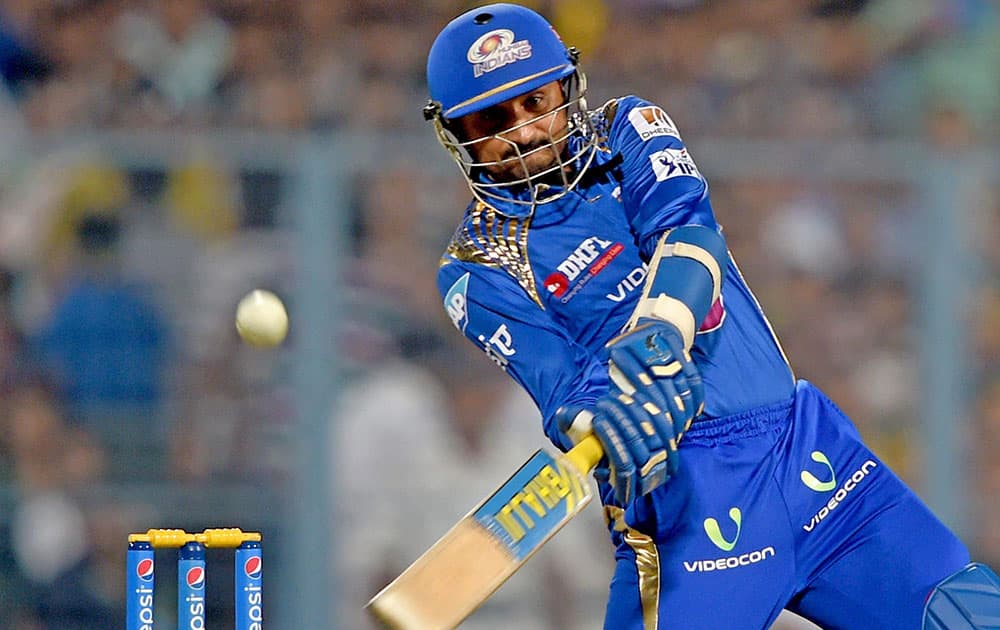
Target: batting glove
x=657 y=393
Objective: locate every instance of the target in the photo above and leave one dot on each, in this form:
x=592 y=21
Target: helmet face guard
x=490 y=55
x=572 y=143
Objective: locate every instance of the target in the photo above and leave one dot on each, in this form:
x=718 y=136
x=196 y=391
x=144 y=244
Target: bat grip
x=586 y=454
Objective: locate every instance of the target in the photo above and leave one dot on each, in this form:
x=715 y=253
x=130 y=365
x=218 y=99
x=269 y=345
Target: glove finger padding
x=620 y=464
x=651 y=407
x=688 y=382
x=637 y=455
x=652 y=374
x=687 y=405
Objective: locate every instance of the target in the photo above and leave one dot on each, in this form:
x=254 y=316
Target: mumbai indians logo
x=550 y=487
x=495 y=50
x=252 y=567
x=196 y=577
x=144 y=569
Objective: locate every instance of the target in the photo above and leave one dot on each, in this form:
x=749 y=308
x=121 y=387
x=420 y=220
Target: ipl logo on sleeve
x=670 y=163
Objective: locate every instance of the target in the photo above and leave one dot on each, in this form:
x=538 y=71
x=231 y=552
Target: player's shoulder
x=632 y=117
x=463 y=281
x=470 y=251
x=455 y=268
x=488 y=237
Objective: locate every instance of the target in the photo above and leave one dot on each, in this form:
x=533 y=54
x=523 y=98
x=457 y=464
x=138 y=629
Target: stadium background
x=160 y=158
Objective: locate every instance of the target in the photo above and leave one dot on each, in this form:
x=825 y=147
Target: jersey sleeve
x=662 y=187
x=496 y=315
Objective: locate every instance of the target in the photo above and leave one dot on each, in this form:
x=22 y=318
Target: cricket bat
x=466 y=565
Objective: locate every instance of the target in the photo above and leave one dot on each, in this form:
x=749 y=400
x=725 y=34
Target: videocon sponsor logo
x=853 y=481
x=714 y=531
x=815 y=484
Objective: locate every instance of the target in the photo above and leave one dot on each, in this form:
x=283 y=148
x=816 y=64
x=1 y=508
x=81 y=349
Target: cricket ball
x=261 y=319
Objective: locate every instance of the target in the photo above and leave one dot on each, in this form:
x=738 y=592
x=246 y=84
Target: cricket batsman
x=591 y=268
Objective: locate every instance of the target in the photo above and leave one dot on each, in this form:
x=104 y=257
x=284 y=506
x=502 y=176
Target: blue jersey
x=775 y=488
x=543 y=291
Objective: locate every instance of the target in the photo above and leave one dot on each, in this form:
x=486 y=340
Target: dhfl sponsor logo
x=252 y=567
x=583 y=255
x=495 y=50
x=196 y=577
x=589 y=258
x=652 y=121
x=144 y=569
x=557 y=284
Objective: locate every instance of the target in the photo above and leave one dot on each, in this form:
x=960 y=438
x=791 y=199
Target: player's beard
x=516 y=163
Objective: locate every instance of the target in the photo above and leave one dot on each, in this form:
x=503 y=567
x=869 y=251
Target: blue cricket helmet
x=491 y=54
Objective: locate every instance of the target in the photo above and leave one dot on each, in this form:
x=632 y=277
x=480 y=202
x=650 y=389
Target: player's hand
x=576 y=423
x=651 y=364
x=635 y=462
x=656 y=394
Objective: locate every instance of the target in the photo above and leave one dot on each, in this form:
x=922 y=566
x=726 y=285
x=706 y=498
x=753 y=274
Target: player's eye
x=490 y=119
x=534 y=102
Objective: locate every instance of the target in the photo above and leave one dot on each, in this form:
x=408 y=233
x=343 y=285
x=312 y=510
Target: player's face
x=520 y=137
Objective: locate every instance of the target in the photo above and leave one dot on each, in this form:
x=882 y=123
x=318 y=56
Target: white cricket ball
x=261 y=319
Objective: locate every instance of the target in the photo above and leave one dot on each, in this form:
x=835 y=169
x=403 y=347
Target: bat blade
x=466 y=565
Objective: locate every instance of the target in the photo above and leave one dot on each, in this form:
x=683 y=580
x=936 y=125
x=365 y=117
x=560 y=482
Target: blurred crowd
x=119 y=362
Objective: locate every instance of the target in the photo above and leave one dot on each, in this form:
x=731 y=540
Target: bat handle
x=586 y=454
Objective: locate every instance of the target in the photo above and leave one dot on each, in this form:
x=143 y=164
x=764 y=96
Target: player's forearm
x=686 y=272
x=586 y=387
